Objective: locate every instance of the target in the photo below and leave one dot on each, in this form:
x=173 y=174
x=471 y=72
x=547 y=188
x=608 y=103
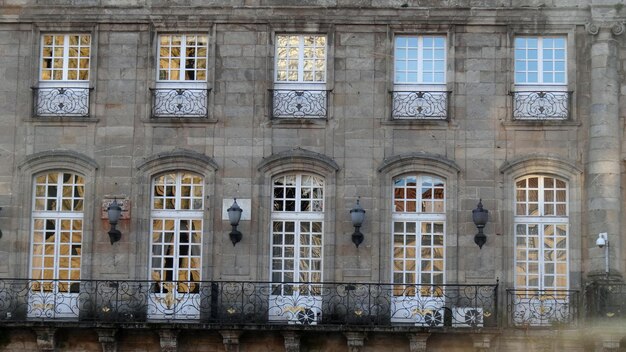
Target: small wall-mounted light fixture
x=114 y=210
x=603 y=242
x=357 y=215
x=480 y=217
x=0 y=230
x=234 y=215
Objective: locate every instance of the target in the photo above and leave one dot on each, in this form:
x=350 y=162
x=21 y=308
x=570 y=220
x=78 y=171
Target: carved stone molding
x=617 y=28
x=417 y=342
x=45 y=339
x=356 y=340
x=168 y=340
x=592 y=28
x=292 y=341
x=107 y=339
x=230 y=338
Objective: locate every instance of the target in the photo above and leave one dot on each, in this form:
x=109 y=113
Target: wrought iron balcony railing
x=243 y=303
x=61 y=101
x=527 y=308
x=541 y=105
x=299 y=104
x=180 y=102
x=606 y=300
x=419 y=105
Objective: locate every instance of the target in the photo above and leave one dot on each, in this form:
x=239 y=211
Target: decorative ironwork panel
x=540 y=105
x=419 y=105
x=306 y=104
x=179 y=102
x=543 y=307
x=249 y=303
x=606 y=301
x=62 y=101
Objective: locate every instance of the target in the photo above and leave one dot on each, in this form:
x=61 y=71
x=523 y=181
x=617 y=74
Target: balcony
x=299 y=104
x=419 y=105
x=61 y=101
x=542 y=308
x=249 y=303
x=541 y=105
x=179 y=102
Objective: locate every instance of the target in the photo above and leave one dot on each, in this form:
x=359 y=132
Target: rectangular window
x=183 y=57
x=65 y=57
x=181 y=87
x=300 y=76
x=540 y=78
x=540 y=60
x=300 y=58
x=419 y=90
x=420 y=59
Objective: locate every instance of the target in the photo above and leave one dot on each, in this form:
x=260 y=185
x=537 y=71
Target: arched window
x=297 y=233
x=418 y=234
x=56 y=244
x=177 y=204
x=541 y=233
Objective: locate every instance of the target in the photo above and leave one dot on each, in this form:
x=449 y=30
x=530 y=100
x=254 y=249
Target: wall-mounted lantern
x=357 y=215
x=480 y=217
x=0 y=230
x=114 y=210
x=234 y=215
x=603 y=242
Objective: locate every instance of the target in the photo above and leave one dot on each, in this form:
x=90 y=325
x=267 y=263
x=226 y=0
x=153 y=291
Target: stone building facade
x=424 y=113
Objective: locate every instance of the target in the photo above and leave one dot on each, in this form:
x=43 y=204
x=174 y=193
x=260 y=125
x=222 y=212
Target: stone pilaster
x=355 y=340
x=168 y=340
x=45 y=339
x=107 y=339
x=292 y=341
x=230 y=338
x=417 y=342
x=603 y=158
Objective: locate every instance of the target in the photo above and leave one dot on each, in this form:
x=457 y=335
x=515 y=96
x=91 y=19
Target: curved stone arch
x=544 y=165
x=53 y=160
x=540 y=164
x=418 y=163
x=172 y=161
x=58 y=160
x=296 y=160
x=177 y=159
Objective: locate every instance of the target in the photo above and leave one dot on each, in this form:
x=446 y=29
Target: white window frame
x=177 y=215
x=418 y=217
x=297 y=217
x=182 y=82
x=64 y=81
x=419 y=83
x=540 y=84
x=58 y=215
x=541 y=221
x=300 y=83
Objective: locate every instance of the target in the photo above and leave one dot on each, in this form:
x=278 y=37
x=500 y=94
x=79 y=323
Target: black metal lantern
x=480 y=217
x=234 y=215
x=357 y=215
x=0 y=230
x=114 y=211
